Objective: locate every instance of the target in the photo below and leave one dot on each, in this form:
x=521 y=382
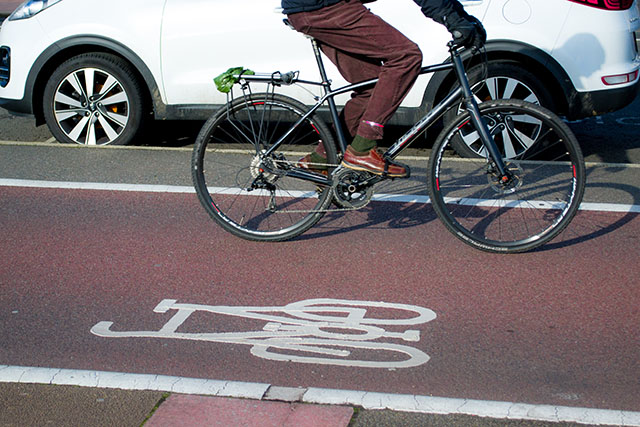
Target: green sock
x=318 y=160
x=362 y=144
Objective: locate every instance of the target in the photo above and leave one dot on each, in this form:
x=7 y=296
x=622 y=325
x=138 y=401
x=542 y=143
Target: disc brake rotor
x=514 y=182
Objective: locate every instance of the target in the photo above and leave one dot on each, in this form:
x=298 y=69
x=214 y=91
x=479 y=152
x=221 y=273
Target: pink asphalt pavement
x=557 y=326
x=180 y=410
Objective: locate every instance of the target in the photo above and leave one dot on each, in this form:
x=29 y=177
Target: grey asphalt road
x=612 y=138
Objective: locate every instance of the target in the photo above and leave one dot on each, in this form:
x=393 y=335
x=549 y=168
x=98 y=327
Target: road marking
x=318 y=331
x=103 y=186
x=419 y=157
x=51 y=143
x=398 y=198
x=364 y=399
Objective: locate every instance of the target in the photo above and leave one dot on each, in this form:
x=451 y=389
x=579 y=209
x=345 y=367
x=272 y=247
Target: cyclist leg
x=354 y=69
x=364 y=44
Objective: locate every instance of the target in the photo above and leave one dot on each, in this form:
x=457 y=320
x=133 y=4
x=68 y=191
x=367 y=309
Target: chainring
x=348 y=191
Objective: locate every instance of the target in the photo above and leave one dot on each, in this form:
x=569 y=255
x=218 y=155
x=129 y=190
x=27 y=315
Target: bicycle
x=246 y=173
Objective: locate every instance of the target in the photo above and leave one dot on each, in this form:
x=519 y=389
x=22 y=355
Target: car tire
x=504 y=80
x=94 y=99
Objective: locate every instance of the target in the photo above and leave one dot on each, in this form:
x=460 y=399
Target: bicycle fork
x=478 y=122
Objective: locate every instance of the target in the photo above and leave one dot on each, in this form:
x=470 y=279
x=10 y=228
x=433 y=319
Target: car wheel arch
x=539 y=62
x=65 y=49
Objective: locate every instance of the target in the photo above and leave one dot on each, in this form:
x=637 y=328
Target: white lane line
x=126 y=381
x=50 y=143
x=106 y=186
x=399 y=198
x=366 y=400
x=481 y=408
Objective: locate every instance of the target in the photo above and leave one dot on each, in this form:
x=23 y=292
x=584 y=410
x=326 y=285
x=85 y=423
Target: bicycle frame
x=462 y=93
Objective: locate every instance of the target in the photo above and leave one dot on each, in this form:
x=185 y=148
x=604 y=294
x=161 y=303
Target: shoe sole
x=375 y=172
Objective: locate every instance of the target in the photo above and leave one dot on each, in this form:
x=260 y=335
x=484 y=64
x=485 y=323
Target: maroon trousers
x=363 y=46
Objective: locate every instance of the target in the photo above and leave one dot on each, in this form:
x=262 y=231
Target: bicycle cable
x=485 y=64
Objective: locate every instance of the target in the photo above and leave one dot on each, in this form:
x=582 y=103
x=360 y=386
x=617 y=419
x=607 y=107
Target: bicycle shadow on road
x=589 y=225
x=375 y=216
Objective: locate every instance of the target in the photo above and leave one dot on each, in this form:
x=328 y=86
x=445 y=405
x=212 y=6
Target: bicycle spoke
x=248 y=192
x=535 y=204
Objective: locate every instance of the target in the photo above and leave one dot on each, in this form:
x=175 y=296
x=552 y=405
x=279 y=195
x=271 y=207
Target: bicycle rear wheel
x=252 y=195
x=541 y=199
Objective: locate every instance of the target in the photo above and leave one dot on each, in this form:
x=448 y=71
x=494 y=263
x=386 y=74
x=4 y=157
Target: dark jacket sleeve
x=438 y=9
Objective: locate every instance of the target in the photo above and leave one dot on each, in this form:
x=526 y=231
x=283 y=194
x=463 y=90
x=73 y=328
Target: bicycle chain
x=337 y=209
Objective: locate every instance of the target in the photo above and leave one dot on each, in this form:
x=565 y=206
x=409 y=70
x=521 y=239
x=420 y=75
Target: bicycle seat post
x=326 y=86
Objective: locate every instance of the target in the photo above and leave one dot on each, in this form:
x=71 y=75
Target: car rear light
x=606 y=4
x=619 y=79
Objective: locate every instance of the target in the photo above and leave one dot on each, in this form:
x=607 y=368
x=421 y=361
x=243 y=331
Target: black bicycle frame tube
x=463 y=92
x=326 y=85
x=328 y=97
x=477 y=120
x=330 y=94
x=452 y=99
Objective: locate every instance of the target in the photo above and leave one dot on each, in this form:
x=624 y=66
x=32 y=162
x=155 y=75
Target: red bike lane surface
x=557 y=326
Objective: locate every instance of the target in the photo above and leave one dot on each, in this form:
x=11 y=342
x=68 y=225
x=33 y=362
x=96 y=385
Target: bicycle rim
x=251 y=196
x=540 y=201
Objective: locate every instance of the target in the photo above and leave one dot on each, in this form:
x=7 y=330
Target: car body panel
x=179 y=46
x=610 y=43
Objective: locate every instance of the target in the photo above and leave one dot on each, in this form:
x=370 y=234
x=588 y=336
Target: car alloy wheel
x=93 y=99
x=501 y=81
x=91 y=107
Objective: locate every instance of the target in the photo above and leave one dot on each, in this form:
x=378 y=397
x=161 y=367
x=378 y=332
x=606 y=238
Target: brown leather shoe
x=372 y=161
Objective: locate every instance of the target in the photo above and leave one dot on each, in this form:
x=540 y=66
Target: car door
x=203 y=38
x=430 y=36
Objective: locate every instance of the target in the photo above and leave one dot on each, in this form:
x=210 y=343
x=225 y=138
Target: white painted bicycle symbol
x=319 y=331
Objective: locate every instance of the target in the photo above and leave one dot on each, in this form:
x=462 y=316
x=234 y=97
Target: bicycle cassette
x=350 y=189
x=257 y=169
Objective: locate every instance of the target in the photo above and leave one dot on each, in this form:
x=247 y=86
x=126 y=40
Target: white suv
x=95 y=70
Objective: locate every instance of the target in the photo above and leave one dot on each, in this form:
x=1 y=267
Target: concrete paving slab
x=38 y=405
x=189 y=410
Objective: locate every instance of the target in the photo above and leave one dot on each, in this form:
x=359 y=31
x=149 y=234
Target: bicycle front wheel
x=251 y=194
x=544 y=194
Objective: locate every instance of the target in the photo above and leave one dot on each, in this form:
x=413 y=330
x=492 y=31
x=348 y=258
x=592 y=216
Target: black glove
x=466 y=30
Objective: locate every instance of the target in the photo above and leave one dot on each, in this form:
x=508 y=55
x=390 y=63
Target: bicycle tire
x=540 y=201
x=227 y=161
